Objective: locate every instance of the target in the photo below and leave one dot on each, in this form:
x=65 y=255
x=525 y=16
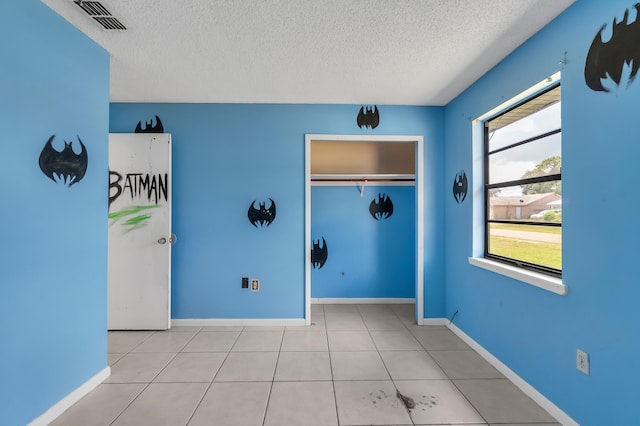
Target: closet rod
x=381 y=177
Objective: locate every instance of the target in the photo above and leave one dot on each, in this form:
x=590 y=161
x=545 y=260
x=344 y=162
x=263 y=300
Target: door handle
x=172 y=239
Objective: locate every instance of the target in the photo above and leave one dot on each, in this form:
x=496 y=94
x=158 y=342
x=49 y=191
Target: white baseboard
x=361 y=300
x=204 y=322
x=525 y=387
x=55 y=411
x=435 y=321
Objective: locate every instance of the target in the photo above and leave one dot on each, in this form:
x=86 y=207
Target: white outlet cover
x=582 y=361
x=255 y=284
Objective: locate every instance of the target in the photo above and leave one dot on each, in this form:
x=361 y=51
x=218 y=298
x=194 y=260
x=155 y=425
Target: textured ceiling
x=406 y=52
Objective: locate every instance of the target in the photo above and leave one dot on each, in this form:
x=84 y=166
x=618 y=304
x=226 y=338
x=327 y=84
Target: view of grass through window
x=523 y=184
x=540 y=245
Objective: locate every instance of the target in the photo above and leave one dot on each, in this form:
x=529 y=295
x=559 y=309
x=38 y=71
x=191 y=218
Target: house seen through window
x=523 y=184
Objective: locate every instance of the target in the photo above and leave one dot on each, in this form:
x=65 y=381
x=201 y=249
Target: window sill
x=542 y=281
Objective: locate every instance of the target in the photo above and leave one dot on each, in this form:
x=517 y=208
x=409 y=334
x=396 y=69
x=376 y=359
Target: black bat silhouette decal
x=68 y=166
x=148 y=128
x=368 y=118
x=460 y=187
x=382 y=208
x=262 y=215
x=319 y=254
x=609 y=58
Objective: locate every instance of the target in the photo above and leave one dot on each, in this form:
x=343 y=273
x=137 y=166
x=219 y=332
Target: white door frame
x=419 y=189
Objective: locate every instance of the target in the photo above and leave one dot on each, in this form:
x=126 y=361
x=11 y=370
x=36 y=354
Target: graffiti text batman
x=138 y=185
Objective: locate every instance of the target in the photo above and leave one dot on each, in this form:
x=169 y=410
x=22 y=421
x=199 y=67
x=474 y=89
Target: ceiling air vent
x=100 y=13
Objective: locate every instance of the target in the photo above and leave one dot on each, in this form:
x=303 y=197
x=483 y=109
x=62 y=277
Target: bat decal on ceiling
x=319 y=254
x=381 y=208
x=368 y=117
x=148 y=128
x=63 y=166
x=460 y=187
x=262 y=215
x=609 y=59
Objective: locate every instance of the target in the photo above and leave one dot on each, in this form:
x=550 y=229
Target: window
x=523 y=184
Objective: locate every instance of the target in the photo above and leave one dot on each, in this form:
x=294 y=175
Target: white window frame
x=537 y=279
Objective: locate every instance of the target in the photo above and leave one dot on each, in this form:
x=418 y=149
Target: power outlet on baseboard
x=255 y=284
x=582 y=361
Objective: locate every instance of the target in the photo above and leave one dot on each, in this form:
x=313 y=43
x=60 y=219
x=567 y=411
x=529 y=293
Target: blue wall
x=227 y=155
x=53 y=268
x=53 y=277
x=367 y=258
x=535 y=332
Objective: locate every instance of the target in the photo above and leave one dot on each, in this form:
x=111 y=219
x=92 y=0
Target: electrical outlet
x=582 y=361
x=255 y=284
x=245 y=282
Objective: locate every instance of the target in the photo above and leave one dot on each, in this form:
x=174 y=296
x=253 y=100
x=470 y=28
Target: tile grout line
x=227 y=356
x=176 y=354
x=214 y=376
x=470 y=403
x=333 y=382
x=388 y=372
x=275 y=368
x=159 y=372
x=407 y=410
x=146 y=384
x=450 y=379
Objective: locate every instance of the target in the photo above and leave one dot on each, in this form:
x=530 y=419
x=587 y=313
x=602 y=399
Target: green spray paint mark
x=131 y=210
x=135 y=222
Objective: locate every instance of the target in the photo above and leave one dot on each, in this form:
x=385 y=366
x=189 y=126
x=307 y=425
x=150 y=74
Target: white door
x=139 y=231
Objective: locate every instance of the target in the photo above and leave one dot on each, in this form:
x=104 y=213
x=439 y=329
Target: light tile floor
x=345 y=369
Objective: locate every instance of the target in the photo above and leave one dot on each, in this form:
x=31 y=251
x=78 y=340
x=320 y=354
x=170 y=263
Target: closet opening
x=364 y=220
